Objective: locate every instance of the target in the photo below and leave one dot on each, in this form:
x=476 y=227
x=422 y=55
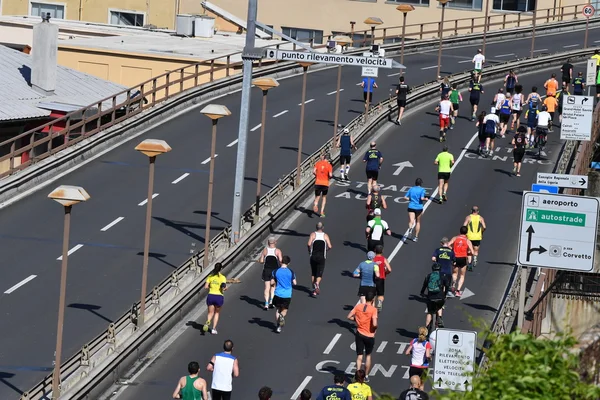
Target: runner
x=365 y=317
x=345 y=143
x=401 y=93
x=416 y=196
x=323 y=172
x=541 y=130
x=358 y=389
x=191 y=387
x=533 y=101
x=318 y=244
x=482 y=136
x=444 y=256
x=551 y=86
x=445 y=87
x=498 y=100
x=420 y=351
x=475 y=227
x=444 y=161
x=216 y=283
x=225 y=367
x=375 y=230
x=455 y=99
x=367 y=271
x=510 y=81
x=551 y=104
x=265 y=393
x=475 y=90
x=519 y=142
x=368 y=84
x=517 y=102
x=283 y=280
x=414 y=392
x=567 y=73
x=445 y=109
x=437 y=285
x=373 y=160
x=461 y=247
x=579 y=84
x=505 y=111
x=561 y=98
x=305 y=395
x=336 y=391
x=270 y=258
x=375 y=200
x=478 y=61
x=384 y=270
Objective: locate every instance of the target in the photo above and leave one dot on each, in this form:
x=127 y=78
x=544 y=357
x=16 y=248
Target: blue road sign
x=544 y=188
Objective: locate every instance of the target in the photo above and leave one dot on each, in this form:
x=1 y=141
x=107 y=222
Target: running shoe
x=440 y=322
x=414 y=239
x=474 y=261
x=444 y=197
x=470 y=267
x=514 y=170
x=213 y=332
x=281 y=320
x=367 y=379
x=518 y=174
x=267 y=306
x=322 y=215
x=458 y=293
x=279 y=329
x=317 y=289
x=206 y=326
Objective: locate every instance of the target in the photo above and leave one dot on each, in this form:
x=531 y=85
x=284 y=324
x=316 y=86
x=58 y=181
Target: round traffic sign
x=588 y=10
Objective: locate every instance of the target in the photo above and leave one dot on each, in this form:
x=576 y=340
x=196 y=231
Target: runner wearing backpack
x=437 y=285
x=490 y=126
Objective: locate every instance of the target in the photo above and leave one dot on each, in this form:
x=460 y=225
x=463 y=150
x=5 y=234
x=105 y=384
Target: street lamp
x=263 y=84
x=443 y=4
x=67 y=196
x=151 y=148
x=214 y=112
x=485 y=25
x=404 y=9
x=301 y=133
x=373 y=22
x=342 y=41
x=534 y=18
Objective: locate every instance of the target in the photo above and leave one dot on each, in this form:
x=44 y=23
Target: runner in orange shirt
x=323 y=172
x=551 y=86
x=551 y=103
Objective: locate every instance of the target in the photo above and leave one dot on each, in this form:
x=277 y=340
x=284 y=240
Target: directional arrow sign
x=401 y=166
x=530 y=250
x=563 y=180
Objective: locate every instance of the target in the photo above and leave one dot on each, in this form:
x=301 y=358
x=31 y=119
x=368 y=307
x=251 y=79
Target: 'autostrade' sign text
x=327 y=58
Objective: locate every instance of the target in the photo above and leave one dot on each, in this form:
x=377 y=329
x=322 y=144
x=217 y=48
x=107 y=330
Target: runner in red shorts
x=445 y=109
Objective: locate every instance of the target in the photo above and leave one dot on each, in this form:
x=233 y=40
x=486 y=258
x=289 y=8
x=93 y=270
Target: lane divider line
x=280 y=114
x=73 y=250
x=18 y=285
x=332 y=343
x=182 y=177
x=255 y=128
x=301 y=387
x=116 y=221
x=146 y=200
x=505 y=55
x=540 y=50
x=334 y=92
x=208 y=160
x=571 y=45
x=466 y=61
x=396 y=74
x=232 y=143
x=433 y=66
x=307 y=101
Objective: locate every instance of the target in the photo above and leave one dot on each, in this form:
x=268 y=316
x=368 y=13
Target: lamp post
x=301 y=133
x=404 y=9
x=485 y=25
x=373 y=22
x=151 y=148
x=263 y=84
x=443 y=4
x=67 y=196
x=342 y=41
x=534 y=17
x=214 y=112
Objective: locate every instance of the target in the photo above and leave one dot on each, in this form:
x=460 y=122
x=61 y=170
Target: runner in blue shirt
x=336 y=391
x=444 y=256
x=373 y=160
x=416 y=197
x=283 y=279
x=367 y=271
x=368 y=84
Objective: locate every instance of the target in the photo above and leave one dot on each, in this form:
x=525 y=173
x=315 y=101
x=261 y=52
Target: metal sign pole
x=522 y=292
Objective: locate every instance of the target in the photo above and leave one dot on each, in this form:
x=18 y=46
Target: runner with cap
x=475 y=227
x=270 y=258
x=373 y=160
x=367 y=271
x=318 y=244
x=375 y=230
x=345 y=143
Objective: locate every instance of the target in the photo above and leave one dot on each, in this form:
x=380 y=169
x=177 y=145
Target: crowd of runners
x=527 y=118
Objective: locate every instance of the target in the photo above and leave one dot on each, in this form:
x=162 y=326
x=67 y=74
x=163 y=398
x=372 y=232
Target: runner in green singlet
x=191 y=387
x=455 y=99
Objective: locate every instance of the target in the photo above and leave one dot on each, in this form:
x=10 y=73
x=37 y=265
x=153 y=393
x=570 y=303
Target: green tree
x=523 y=367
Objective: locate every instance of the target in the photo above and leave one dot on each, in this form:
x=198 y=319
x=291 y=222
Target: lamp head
x=68 y=195
x=265 y=83
x=215 y=111
x=153 y=147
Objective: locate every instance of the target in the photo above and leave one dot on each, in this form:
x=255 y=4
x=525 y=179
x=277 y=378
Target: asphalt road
x=317 y=338
x=107 y=231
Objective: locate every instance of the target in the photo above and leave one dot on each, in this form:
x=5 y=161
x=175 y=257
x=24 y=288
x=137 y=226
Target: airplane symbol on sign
x=533 y=201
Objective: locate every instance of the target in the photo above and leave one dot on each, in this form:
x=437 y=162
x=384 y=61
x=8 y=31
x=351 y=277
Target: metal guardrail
x=50 y=138
x=102 y=355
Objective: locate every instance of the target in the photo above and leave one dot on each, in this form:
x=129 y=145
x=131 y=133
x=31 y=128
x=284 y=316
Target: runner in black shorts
x=321 y=190
x=519 y=142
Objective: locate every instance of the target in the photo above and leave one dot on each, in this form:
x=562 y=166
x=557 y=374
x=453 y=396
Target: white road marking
x=306 y=102
x=208 y=160
x=18 y=285
x=334 y=92
x=433 y=66
x=397 y=73
x=571 y=45
x=332 y=343
x=466 y=61
x=433 y=195
x=73 y=250
x=280 y=114
x=596 y=41
x=116 y=221
x=540 y=50
x=382 y=346
x=146 y=200
x=182 y=177
x=505 y=55
x=255 y=128
x=232 y=143
x=359 y=83
x=301 y=387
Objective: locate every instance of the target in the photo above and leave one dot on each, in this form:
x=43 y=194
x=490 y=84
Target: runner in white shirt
x=445 y=109
x=517 y=102
x=499 y=99
x=543 y=123
x=224 y=367
x=478 y=60
x=491 y=122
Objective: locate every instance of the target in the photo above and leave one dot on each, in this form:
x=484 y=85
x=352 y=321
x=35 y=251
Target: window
x=417 y=2
x=126 y=18
x=41 y=9
x=465 y=4
x=514 y=5
x=303 y=35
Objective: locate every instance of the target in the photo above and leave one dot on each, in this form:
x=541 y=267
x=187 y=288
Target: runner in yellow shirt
x=444 y=161
x=358 y=389
x=475 y=227
x=216 y=283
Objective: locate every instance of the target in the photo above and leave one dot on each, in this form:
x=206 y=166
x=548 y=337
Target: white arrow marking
x=466 y=294
x=401 y=166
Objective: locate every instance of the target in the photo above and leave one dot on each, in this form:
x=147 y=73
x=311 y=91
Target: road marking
x=505 y=55
x=280 y=114
x=397 y=73
x=433 y=195
x=359 y=83
x=182 y=177
x=208 y=159
x=466 y=61
x=146 y=200
x=332 y=343
x=334 y=92
x=73 y=250
x=301 y=387
x=233 y=143
x=540 y=50
x=381 y=347
x=571 y=45
x=116 y=221
x=307 y=101
x=433 y=66
x=596 y=41
x=18 y=285
x=255 y=128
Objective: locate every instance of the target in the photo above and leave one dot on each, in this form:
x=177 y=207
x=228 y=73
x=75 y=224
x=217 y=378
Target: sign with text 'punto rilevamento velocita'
x=329 y=58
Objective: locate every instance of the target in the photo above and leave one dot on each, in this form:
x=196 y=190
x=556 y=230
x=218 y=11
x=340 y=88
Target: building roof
x=74 y=89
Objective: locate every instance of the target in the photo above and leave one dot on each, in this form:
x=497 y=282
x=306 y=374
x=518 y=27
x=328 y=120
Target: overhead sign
x=563 y=180
x=577 y=118
x=454 y=359
x=329 y=58
x=590 y=76
x=544 y=188
x=370 y=72
x=588 y=10
x=558 y=231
